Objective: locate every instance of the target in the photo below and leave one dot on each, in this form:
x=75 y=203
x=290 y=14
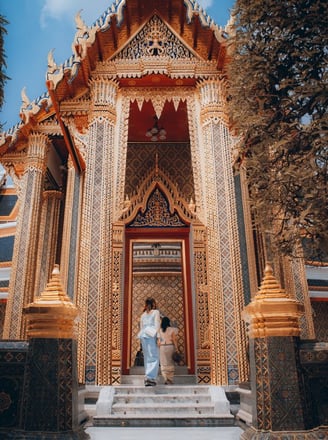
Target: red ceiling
x=174 y=121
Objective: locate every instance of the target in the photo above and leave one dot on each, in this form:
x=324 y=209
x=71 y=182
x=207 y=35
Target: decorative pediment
x=157 y=213
x=155 y=39
x=157 y=203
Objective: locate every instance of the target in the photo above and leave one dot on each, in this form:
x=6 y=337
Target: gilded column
x=48 y=235
x=273 y=326
x=94 y=290
x=22 y=280
x=249 y=235
x=228 y=338
x=69 y=246
x=50 y=394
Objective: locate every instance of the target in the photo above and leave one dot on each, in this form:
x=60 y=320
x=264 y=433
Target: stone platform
x=163 y=406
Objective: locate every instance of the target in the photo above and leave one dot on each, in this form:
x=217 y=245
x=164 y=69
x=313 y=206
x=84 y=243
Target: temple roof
x=103 y=41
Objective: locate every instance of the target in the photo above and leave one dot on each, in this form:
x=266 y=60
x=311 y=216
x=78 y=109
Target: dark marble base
x=320 y=433
x=50 y=393
x=277 y=385
x=24 y=435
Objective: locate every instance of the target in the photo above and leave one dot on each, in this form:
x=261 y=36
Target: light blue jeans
x=151 y=357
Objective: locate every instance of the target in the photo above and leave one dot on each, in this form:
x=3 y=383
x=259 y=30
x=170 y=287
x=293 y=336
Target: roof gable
x=185 y=43
x=155 y=39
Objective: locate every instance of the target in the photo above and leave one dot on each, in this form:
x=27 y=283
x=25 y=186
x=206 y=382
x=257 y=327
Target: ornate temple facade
x=124 y=176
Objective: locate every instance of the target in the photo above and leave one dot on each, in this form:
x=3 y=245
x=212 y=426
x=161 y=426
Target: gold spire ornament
x=52 y=314
x=272 y=312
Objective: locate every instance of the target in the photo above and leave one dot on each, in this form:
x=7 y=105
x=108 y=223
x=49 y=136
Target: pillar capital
x=272 y=312
x=104 y=97
x=37 y=150
x=37 y=144
x=212 y=100
x=52 y=314
x=52 y=194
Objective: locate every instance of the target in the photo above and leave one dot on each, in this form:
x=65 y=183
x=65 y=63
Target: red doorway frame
x=159 y=234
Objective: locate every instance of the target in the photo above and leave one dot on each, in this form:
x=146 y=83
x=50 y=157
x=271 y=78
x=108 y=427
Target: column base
x=320 y=433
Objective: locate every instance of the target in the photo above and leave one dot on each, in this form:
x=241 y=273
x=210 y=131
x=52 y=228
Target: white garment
x=152 y=320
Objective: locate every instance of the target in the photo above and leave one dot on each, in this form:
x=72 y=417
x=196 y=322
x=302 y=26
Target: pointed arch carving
x=158 y=182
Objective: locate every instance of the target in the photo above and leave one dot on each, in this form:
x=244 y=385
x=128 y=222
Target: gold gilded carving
x=104 y=92
x=225 y=285
x=67 y=226
x=120 y=152
x=94 y=279
x=30 y=108
x=155 y=40
x=81 y=123
x=196 y=156
x=212 y=99
x=176 y=69
x=52 y=314
x=272 y=312
x=157 y=213
x=84 y=37
x=251 y=257
x=157 y=179
x=23 y=273
x=158 y=96
x=48 y=235
x=36 y=152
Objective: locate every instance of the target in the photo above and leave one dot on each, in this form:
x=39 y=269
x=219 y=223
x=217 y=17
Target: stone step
x=173 y=405
x=169 y=409
x=161 y=389
x=138 y=379
x=164 y=421
x=155 y=399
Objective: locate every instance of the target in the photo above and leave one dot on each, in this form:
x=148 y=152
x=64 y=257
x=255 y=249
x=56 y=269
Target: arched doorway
x=157 y=264
x=158 y=220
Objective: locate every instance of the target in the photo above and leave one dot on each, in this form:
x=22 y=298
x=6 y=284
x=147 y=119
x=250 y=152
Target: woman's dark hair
x=150 y=304
x=165 y=323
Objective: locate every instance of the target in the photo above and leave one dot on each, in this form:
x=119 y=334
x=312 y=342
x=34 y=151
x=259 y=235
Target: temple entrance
x=158 y=265
x=156 y=228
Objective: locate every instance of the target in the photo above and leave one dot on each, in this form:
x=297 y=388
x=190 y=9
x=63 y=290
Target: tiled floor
x=215 y=433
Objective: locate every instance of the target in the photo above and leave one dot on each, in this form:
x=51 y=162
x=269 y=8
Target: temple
x=123 y=175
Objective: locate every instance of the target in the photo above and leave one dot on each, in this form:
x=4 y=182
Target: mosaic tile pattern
x=12 y=364
x=276 y=377
x=320 y=313
x=228 y=338
x=168 y=293
x=50 y=387
x=21 y=288
x=95 y=256
x=174 y=159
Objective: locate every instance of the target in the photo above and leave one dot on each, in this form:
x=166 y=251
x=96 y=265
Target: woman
x=149 y=337
x=168 y=345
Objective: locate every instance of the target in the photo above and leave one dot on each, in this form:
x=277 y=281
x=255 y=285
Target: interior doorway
x=158 y=266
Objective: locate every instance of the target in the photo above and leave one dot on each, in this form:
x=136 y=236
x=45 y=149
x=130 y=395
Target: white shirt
x=151 y=319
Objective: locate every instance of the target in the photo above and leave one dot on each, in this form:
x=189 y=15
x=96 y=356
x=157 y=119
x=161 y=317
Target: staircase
x=162 y=406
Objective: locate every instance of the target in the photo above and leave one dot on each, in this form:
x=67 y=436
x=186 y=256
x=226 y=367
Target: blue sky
x=38 y=26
